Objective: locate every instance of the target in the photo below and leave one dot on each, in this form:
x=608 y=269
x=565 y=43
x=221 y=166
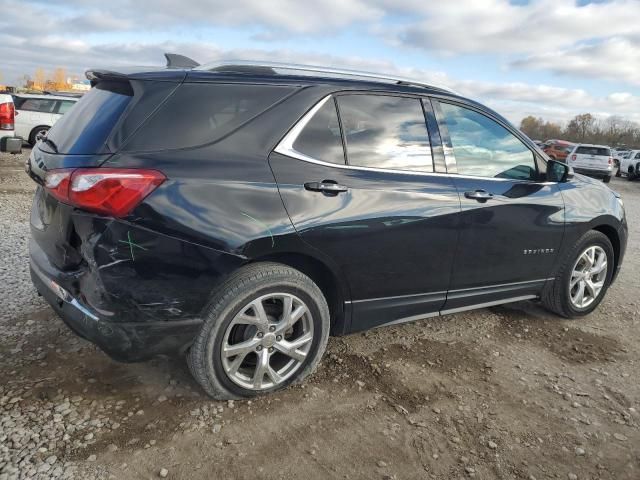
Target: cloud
x=557 y=36
x=500 y=26
x=613 y=59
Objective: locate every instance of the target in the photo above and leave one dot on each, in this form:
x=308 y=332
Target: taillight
x=610 y=160
x=7 y=116
x=108 y=191
x=574 y=157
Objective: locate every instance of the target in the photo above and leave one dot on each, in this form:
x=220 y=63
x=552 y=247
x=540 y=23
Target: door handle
x=479 y=195
x=325 y=187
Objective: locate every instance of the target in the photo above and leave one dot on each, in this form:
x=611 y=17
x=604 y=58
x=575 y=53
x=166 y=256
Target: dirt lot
x=507 y=392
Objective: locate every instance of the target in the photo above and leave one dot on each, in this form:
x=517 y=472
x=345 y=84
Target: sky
x=548 y=58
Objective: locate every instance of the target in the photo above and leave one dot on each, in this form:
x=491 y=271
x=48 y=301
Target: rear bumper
x=126 y=342
x=593 y=172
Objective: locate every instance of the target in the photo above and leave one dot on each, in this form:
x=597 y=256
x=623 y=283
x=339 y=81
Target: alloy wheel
x=267 y=341
x=588 y=277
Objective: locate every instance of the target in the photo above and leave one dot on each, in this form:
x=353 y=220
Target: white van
x=36 y=114
x=592 y=160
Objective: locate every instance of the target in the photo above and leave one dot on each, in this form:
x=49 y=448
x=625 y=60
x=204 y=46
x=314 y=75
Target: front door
x=377 y=209
x=512 y=219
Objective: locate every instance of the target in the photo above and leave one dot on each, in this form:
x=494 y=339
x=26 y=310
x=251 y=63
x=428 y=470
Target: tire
x=557 y=295
x=607 y=179
x=631 y=175
x=33 y=136
x=226 y=315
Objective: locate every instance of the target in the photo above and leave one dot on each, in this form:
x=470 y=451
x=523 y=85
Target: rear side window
x=86 y=128
x=38 y=105
x=385 y=132
x=201 y=113
x=603 y=152
x=320 y=138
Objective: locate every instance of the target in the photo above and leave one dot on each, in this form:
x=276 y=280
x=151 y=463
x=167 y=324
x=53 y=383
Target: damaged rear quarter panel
x=133 y=274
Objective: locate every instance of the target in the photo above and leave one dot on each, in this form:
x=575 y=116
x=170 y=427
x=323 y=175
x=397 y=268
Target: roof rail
x=175 y=60
x=248 y=66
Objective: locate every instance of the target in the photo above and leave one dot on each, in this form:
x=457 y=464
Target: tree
x=60 y=79
x=580 y=127
x=39 y=79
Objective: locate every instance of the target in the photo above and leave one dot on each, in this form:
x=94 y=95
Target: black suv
x=240 y=213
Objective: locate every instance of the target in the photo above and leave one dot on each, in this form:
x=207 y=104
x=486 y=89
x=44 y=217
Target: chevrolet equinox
x=241 y=212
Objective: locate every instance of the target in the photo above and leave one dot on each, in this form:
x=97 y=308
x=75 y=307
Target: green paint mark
x=131 y=244
x=273 y=240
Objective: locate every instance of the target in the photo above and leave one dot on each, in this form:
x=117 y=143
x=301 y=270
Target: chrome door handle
x=479 y=195
x=326 y=187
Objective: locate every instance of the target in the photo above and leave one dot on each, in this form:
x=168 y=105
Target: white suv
x=630 y=165
x=592 y=160
x=36 y=114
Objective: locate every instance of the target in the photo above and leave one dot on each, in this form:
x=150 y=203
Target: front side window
x=320 y=138
x=484 y=148
x=385 y=132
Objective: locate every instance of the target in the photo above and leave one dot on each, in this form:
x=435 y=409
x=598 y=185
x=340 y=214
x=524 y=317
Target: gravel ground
x=506 y=392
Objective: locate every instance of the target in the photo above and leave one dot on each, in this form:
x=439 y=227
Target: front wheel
x=266 y=328
x=583 y=278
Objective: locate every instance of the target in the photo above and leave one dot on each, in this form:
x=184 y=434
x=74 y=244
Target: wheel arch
x=34 y=130
x=612 y=234
x=329 y=281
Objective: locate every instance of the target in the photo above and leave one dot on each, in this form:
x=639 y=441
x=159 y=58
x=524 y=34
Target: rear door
x=512 y=220
x=371 y=201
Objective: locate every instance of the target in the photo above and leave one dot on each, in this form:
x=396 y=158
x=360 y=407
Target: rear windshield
x=603 y=152
x=85 y=129
x=200 y=113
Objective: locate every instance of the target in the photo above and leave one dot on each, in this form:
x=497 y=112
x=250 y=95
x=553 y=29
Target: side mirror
x=558 y=171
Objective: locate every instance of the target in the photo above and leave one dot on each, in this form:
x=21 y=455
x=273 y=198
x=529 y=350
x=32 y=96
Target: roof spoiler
x=175 y=60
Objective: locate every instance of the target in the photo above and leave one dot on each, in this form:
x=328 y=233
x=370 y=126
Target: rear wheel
x=606 y=179
x=37 y=133
x=266 y=328
x=583 y=279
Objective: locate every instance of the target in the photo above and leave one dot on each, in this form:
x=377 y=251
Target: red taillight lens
x=573 y=157
x=108 y=191
x=610 y=160
x=7 y=116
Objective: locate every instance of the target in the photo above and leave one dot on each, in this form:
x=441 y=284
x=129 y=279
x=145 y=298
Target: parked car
x=592 y=160
x=8 y=141
x=240 y=213
x=7 y=116
x=558 y=149
x=630 y=165
x=618 y=155
x=36 y=114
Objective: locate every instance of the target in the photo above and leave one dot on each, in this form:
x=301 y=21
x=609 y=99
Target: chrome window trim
x=285 y=147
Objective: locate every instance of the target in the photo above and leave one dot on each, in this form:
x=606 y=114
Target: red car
x=558 y=149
